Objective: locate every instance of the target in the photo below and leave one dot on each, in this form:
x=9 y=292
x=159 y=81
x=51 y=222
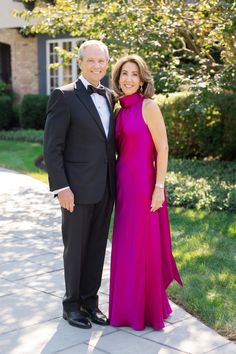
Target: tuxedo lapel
x=86 y=99
x=111 y=119
x=109 y=99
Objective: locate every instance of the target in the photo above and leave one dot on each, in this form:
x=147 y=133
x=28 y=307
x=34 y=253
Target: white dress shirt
x=102 y=107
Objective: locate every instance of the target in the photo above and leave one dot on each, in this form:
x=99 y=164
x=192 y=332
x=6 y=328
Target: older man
x=79 y=152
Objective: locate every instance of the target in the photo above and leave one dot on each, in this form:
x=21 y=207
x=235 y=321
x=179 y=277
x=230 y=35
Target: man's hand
x=66 y=199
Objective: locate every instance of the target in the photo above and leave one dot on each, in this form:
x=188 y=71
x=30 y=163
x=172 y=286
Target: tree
x=183 y=41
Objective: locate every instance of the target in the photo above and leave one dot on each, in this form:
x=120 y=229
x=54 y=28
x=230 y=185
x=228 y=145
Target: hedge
x=30 y=135
x=6 y=111
x=202 y=184
x=200 y=124
x=33 y=111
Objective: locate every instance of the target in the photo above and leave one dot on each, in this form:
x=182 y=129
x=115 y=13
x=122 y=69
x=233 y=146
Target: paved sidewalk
x=31 y=289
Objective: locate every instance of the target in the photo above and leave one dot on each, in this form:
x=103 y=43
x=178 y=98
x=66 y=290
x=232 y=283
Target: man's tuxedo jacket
x=77 y=152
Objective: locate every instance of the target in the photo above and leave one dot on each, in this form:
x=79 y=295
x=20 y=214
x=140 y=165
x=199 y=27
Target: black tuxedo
x=77 y=151
x=78 y=154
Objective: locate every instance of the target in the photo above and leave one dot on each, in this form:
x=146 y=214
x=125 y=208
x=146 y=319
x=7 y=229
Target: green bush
x=15 y=123
x=5 y=89
x=202 y=184
x=7 y=115
x=200 y=124
x=6 y=111
x=30 y=135
x=227 y=107
x=33 y=111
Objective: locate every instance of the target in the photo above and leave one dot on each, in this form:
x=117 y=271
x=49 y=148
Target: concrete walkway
x=32 y=286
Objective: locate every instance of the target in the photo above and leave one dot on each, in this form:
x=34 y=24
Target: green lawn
x=203 y=244
x=205 y=248
x=20 y=156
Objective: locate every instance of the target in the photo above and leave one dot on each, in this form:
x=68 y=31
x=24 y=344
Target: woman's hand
x=158 y=198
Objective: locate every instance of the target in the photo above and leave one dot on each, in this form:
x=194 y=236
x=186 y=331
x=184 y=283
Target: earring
x=141 y=88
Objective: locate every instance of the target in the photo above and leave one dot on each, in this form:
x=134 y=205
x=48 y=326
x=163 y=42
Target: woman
x=142 y=265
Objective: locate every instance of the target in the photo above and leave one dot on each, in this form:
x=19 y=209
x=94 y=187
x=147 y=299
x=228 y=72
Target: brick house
x=24 y=60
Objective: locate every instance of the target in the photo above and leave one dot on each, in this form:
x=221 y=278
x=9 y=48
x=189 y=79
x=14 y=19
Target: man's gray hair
x=92 y=42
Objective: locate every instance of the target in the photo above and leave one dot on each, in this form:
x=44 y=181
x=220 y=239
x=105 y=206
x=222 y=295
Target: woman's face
x=129 y=80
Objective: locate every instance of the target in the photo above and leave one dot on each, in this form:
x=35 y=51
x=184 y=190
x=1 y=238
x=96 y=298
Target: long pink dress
x=142 y=265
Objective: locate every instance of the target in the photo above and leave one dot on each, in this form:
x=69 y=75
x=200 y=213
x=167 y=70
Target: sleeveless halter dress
x=142 y=264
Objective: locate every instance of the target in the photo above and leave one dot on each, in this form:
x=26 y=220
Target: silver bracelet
x=160 y=185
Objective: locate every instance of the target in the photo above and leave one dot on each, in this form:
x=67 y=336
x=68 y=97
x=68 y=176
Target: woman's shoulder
x=149 y=104
x=150 y=110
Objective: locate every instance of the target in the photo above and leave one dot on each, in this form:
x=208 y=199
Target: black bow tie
x=100 y=90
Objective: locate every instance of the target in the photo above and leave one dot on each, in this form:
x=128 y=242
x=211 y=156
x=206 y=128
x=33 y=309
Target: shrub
x=33 y=111
x=202 y=184
x=7 y=116
x=180 y=127
x=227 y=107
x=4 y=89
x=15 y=121
x=6 y=111
x=200 y=124
x=30 y=135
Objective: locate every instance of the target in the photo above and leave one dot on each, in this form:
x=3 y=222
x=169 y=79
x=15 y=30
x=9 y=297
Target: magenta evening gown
x=142 y=265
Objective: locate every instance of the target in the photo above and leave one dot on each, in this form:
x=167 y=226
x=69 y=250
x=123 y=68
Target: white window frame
x=74 y=42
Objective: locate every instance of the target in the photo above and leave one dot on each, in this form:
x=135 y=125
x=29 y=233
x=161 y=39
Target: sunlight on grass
x=20 y=156
x=41 y=176
x=204 y=249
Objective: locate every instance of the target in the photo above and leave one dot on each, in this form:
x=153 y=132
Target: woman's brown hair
x=144 y=73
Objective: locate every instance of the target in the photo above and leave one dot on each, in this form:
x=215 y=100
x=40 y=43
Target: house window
x=5 y=63
x=64 y=74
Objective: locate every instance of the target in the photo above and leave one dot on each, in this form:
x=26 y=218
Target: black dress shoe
x=75 y=318
x=95 y=315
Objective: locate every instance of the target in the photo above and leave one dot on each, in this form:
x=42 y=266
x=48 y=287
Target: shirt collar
x=85 y=82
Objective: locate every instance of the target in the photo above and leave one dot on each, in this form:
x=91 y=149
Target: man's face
x=94 y=64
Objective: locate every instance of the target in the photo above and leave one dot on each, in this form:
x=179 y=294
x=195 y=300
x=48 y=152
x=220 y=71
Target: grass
x=20 y=156
x=203 y=246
